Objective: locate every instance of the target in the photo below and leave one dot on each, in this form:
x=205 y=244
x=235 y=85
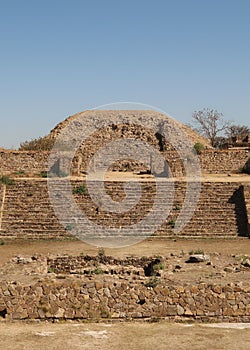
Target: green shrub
x=20 y=172
x=44 y=174
x=98 y=271
x=79 y=190
x=159 y=267
x=196 y=251
x=152 y=283
x=172 y=223
x=6 y=180
x=199 y=147
x=177 y=207
x=51 y=270
x=70 y=227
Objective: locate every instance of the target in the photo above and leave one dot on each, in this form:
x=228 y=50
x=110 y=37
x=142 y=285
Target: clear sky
x=59 y=57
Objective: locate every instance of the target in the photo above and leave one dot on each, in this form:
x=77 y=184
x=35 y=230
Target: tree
x=210 y=123
x=235 y=132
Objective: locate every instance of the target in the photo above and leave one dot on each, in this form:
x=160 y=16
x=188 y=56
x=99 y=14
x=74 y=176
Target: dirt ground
x=123 y=336
x=225 y=265
x=145 y=248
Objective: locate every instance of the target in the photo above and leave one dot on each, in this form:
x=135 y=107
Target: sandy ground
x=123 y=336
x=129 y=176
x=145 y=248
x=226 y=258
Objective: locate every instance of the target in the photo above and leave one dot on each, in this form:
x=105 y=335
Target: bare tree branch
x=210 y=123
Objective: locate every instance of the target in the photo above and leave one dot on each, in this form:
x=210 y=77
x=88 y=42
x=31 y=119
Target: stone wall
x=19 y=162
x=211 y=161
x=106 y=287
x=119 y=298
x=225 y=161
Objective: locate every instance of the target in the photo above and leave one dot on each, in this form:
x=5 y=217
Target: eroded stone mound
x=128 y=126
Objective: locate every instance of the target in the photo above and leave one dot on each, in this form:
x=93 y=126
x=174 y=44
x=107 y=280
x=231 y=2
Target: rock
x=180 y=310
x=229 y=269
x=59 y=313
x=197 y=258
x=188 y=312
x=22 y=260
x=246 y=263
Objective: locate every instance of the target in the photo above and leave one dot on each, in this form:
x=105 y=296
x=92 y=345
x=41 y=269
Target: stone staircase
x=219 y=212
x=2 y=199
x=28 y=213
x=247 y=204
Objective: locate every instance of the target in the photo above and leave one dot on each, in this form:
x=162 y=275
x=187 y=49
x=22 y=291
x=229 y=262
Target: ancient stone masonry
x=28 y=213
x=246 y=190
x=84 y=288
x=19 y=162
x=211 y=161
x=224 y=162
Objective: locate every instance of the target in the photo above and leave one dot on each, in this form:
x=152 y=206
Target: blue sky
x=60 y=57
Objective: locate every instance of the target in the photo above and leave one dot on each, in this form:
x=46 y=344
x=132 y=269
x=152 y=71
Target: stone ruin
x=109 y=288
x=222 y=210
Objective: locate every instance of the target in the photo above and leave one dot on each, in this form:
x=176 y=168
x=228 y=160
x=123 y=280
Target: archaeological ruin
x=120 y=288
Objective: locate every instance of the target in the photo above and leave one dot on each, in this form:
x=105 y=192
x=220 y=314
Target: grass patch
x=197 y=251
x=152 y=283
x=5 y=180
x=79 y=190
x=98 y=271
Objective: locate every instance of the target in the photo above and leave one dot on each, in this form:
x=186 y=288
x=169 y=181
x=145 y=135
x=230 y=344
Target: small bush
x=98 y=271
x=101 y=252
x=6 y=180
x=197 y=251
x=20 y=172
x=70 y=227
x=79 y=190
x=105 y=313
x=172 y=223
x=44 y=174
x=152 y=283
x=177 y=207
x=159 y=267
x=199 y=147
x=51 y=270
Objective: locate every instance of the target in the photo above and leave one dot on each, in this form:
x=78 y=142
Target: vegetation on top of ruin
x=210 y=123
x=44 y=143
x=5 y=180
x=199 y=147
x=221 y=133
x=209 y=128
